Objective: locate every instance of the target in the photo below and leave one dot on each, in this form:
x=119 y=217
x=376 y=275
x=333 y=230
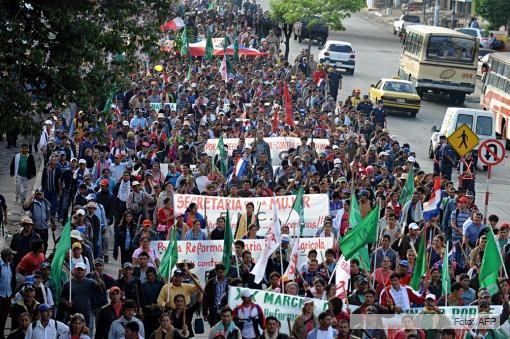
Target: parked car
x=477 y=33
x=338 y=54
x=397 y=96
x=405 y=20
x=318 y=31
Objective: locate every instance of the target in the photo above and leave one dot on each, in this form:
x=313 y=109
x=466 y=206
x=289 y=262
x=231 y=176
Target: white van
x=480 y=121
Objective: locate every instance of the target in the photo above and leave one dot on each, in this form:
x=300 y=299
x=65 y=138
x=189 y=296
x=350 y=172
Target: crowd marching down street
x=232 y=187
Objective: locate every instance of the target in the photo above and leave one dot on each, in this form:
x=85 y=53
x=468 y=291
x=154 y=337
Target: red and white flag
x=342 y=276
x=273 y=241
x=290 y=273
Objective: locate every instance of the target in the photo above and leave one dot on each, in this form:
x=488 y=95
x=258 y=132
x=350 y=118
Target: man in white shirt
x=45 y=327
x=324 y=331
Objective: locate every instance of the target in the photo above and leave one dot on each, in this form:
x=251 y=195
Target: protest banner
x=316 y=209
x=205 y=254
x=157 y=106
x=279 y=146
x=282 y=306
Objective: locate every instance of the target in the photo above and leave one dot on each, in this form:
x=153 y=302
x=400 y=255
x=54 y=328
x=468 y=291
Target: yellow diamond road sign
x=463 y=140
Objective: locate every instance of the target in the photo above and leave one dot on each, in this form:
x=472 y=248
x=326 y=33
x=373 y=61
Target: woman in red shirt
x=32 y=261
x=165 y=218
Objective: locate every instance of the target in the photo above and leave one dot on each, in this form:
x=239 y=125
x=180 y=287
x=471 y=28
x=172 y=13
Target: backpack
x=55 y=325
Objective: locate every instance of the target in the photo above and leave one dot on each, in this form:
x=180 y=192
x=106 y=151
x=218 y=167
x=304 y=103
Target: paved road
x=377 y=56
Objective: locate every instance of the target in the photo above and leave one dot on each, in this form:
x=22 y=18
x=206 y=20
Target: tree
x=497 y=12
x=329 y=12
x=63 y=52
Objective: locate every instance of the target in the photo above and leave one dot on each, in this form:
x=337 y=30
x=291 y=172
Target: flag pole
x=281 y=266
x=70 y=270
x=376 y=244
x=235 y=255
x=500 y=256
x=169 y=267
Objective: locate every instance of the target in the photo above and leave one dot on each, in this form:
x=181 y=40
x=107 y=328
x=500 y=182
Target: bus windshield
x=451 y=49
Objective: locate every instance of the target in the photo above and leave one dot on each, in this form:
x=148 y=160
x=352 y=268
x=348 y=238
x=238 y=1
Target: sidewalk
x=7 y=189
x=380 y=15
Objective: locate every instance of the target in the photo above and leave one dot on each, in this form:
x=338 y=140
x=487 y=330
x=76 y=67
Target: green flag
x=188 y=75
x=109 y=101
x=226 y=43
x=298 y=206
x=491 y=263
x=355 y=213
x=447 y=281
x=212 y=5
x=408 y=190
x=184 y=42
x=209 y=47
x=169 y=259
x=236 y=49
x=63 y=245
x=223 y=156
x=420 y=267
x=362 y=234
x=363 y=258
x=227 y=243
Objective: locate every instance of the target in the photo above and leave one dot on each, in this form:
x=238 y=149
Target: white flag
x=273 y=241
x=342 y=276
x=290 y=273
x=223 y=68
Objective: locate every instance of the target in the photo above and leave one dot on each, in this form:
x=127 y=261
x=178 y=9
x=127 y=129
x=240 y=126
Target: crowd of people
x=108 y=183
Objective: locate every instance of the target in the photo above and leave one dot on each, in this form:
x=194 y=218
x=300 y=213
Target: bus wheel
x=458 y=98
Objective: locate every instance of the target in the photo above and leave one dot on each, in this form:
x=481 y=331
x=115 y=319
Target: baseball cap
x=430 y=296
x=414 y=226
x=76 y=234
x=125 y=123
x=127 y=265
x=135 y=183
x=80 y=212
x=76 y=245
x=80 y=265
x=463 y=200
x=363 y=193
x=147 y=222
x=362 y=280
x=113 y=289
x=26 y=220
x=246 y=293
x=99 y=261
x=104 y=182
x=285 y=238
x=43 y=307
x=82 y=161
x=91 y=196
x=27 y=287
x=91 y=205
x=404 y=263
x=45 y=265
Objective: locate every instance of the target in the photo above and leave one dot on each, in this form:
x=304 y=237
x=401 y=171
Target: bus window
x=483 y=125
x=464 y=119
x=451 y=49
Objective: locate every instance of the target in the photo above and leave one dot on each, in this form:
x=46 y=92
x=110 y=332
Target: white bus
x=440 y=60
x=496 y=93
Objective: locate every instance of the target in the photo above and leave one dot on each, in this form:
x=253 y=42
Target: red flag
x=288 y=105
x=275 y=121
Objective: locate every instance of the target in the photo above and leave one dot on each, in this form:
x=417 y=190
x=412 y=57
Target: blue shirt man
x=378 y=114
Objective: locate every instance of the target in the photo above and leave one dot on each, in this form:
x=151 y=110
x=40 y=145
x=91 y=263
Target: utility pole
x=437 y=6
x=424 y=4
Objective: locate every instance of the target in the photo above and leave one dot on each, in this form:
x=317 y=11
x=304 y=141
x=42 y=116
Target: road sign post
x=491 y=152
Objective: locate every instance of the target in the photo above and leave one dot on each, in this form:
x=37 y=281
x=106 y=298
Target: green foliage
x=497 y=12
x=71 y=51
x=331 y=12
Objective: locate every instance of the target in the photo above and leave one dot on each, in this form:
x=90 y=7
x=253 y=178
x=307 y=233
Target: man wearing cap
x=46 y=327
x=27 y=304
x=22 y=240
x=22 y=169
x=82 y=291
x=405 y=242
x=7 y=285
x=176 y=286
x=46 y=134
x=109 y=313
x=249 y=316
x=77 y=237
x=130 y=285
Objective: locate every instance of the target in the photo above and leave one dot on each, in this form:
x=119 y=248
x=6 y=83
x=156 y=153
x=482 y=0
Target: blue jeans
x=52 y=197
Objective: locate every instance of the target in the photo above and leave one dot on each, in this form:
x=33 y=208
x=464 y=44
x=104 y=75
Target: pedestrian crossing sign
x=463 y=140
